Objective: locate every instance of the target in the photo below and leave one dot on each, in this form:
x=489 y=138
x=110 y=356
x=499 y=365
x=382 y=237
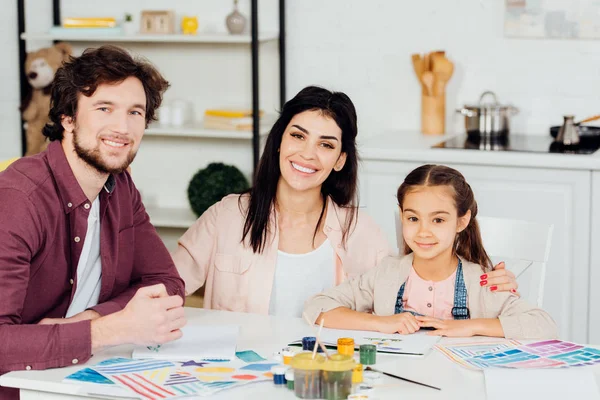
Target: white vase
x=129 y=28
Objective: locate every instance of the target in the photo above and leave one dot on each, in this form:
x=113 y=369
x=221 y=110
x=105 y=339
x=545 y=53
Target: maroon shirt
x=43 y=223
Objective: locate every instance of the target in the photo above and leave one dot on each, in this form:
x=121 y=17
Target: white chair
x=524 y=246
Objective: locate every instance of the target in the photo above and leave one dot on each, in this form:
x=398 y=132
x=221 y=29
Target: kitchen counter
x=414 y=146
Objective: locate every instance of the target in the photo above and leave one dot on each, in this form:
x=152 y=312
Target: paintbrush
x=403 y=379
x=316 y=337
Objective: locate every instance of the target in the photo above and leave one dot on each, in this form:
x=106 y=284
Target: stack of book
x=229 y=119
x=88 y=26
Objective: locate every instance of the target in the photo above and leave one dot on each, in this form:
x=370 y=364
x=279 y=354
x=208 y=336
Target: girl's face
x=311 y=147
x=430 y=222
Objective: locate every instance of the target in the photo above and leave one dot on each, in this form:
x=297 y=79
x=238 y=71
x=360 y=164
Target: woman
x=298 y=231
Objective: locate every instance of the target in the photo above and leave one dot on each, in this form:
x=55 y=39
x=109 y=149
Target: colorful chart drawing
x=90 y=376
x=249 y=356
x=193 y=363
x=460 y=352
x=155 y=379
x=258 y=367
x=209 y=378
x=218 y=370
x=179 y=378
x=245 y=377
x=542 y=354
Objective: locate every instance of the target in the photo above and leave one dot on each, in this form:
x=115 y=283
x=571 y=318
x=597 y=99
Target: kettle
x=568 y=134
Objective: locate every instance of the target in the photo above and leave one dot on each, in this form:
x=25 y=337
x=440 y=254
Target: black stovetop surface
x=517 y=142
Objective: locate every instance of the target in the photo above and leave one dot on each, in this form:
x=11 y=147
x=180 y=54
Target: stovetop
x=516 y=142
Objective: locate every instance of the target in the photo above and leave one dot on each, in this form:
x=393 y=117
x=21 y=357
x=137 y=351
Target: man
x=81 y=267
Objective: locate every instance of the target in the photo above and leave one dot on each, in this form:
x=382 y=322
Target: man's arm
x=152 y=263
x=33 y=346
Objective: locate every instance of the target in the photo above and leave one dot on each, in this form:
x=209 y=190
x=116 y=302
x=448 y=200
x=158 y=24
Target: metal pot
x=490 y=119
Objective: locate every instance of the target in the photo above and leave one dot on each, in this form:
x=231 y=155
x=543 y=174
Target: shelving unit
x=189 y=145
x=174 y=38
x=217 y=38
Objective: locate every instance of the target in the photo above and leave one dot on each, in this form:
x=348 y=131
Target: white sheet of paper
x=418 y=343
x=197 y=343
x=527 y=384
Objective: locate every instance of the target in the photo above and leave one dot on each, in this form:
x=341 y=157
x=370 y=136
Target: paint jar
x=287 y=356
x=368 y=354
x=337 y=377
x=359 y=396
x=289 y=378
x=345 y=346
x=309 y=343
x=307 y=375
x=278 y=372
x=357 y=374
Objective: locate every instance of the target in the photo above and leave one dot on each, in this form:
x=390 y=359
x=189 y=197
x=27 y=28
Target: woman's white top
x=298 y=277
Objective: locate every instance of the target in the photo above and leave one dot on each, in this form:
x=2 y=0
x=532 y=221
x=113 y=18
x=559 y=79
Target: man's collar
x=70 y=193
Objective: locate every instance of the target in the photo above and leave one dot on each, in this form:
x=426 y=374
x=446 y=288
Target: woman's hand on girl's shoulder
x=403 y=323
x=500 y=280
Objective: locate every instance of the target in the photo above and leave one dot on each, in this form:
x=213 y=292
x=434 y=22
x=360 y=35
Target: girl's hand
x=403 y=323
x=500 y=280
x=447 y=327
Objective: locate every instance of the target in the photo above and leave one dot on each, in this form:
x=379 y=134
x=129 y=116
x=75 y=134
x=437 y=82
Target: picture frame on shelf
x=158 y=22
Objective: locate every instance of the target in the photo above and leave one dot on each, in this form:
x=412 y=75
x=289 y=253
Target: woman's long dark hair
x=340 y=186
x=468 y=243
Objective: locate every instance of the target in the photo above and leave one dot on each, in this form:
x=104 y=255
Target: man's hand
x=87 y=314
x=403 y=323
x=151 y=317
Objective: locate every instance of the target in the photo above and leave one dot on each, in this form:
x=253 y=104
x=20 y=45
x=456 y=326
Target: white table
x=265 y=335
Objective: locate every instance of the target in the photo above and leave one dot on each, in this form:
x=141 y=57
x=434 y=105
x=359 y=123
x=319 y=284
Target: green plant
x=128 y=17
x=211 y=184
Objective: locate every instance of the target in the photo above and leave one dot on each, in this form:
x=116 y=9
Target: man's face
x=109 y=125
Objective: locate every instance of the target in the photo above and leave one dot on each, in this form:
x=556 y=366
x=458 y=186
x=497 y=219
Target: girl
x=436 y=285
x=298 y=231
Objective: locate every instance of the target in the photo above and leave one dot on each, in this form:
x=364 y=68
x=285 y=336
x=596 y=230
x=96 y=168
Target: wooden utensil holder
x=433 y=114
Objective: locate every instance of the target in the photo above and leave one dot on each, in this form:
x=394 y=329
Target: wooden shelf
x=161 y=217
x=147 y=38
x=196 y=130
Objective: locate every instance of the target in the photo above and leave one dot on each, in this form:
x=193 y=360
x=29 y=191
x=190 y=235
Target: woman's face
x=311 y=147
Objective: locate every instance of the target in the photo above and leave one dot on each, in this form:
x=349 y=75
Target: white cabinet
x=561 y=197
x=594 y=282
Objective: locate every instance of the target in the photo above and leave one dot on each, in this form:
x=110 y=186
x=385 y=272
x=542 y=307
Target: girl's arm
x=345 y=318
x=354 y=294
x=463 y=328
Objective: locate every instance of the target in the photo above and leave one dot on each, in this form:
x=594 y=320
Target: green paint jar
x=368 y=354
x=289 y=378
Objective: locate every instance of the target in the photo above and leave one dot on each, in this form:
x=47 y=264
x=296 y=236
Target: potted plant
x=211 y=184
x=129 y=26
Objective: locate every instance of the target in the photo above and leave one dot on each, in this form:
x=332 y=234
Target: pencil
x=403 y=379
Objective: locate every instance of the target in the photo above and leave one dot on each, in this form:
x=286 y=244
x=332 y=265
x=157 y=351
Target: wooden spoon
x=442 y=70
x=428 y=80
x=417 y=62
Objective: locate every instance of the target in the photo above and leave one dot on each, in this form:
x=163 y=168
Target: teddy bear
x=40 y=67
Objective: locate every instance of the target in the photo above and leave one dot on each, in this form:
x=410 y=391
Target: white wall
x=10 y=133
x=363 y=48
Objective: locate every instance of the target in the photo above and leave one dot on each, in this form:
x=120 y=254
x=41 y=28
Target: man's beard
x=93 y=157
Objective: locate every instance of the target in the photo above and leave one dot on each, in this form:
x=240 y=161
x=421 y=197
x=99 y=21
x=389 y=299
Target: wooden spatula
x=417 y=62
x=428 y=80
x=442 y=71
